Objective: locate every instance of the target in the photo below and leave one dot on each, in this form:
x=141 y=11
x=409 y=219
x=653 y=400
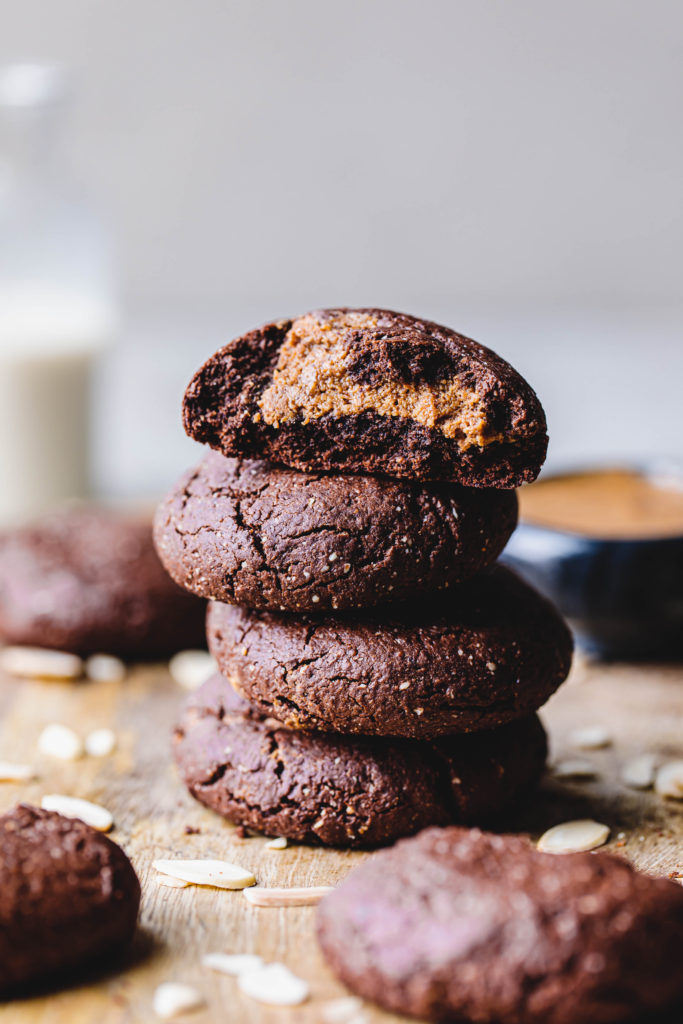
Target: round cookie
x=347 y=790
x=456 y=924
x=246 y=532
x=473 y=657
x=370 y=391
x=67 y=895
x=88 y=580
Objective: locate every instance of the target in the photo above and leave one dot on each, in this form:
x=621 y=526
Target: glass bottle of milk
x=56 y=301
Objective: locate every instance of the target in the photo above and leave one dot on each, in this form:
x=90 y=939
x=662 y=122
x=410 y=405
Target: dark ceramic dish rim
x=672 y=468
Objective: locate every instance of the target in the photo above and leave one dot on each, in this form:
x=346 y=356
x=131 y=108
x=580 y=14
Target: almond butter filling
x=311 y=380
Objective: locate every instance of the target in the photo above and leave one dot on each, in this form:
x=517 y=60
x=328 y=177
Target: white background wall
x=512 y=167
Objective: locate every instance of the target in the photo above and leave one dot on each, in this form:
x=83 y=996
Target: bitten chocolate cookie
x=456 y=924
x=89 y=581
x=473 y=657
x=67 y=895
x=250 y=533
x=368 y=390
x=344 y=790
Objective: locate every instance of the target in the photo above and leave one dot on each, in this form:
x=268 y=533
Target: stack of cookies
x=378 y=672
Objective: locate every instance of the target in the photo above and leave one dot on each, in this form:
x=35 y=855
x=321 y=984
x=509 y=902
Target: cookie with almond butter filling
x=459 y=925
x=370 y=391
x=248 y=532
x=475 y=656
x=349 y=791
x=68 y=896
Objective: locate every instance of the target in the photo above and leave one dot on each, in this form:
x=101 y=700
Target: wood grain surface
x=641 y=706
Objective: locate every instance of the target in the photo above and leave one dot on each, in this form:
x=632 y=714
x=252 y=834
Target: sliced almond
x=669 y=780
x=302 y=896
x=95 y=815
x=639 y=772
x=280 y=843
x=61 y=742
x=218 y=873
x=232 y=963
x=190 y=669
x=100 y=742
x=171 y=999
x=574 y=768
x=105 y=668
x=573 y=837
x=342 y=1011
x=40 y=663
x=274 y=984
x=172 y=883
x=590 y=737
x=10 y=772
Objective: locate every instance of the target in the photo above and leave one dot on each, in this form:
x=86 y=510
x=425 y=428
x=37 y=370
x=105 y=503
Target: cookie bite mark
x=322 y=372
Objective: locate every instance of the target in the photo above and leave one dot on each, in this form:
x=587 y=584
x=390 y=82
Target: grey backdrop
x=513 y=168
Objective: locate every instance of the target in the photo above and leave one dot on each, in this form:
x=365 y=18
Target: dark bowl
x=623 y=597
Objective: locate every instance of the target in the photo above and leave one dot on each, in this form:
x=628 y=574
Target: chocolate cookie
x=456 y=924
x=88 y=581
x=347 y=790
x=67 y=895
x=250 y=533
x=368 y=390
x=473 y=657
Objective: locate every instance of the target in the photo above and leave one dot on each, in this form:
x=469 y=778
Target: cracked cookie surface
x=456 y=924
x=247 y=532
x=68 y=894
x=370 y=390
x=347 y=790
x=473 y=657
x=88 y=580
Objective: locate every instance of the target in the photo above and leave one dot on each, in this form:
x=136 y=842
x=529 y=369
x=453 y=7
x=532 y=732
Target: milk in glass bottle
x=56 y=301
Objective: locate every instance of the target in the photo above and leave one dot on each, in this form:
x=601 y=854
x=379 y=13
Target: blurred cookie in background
x=88 y=580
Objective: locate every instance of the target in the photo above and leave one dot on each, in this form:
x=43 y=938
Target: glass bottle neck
x=28 y=142
x=32 y=98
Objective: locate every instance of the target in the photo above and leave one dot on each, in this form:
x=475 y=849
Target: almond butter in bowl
x=602 y=544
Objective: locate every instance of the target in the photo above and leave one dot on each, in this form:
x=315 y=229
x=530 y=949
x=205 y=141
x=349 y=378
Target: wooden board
x=641 y=706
